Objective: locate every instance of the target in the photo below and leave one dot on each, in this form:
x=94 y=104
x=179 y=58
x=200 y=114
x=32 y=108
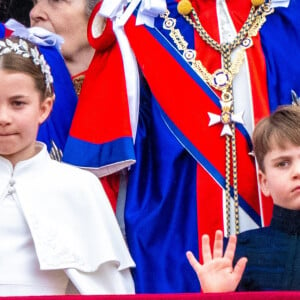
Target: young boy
x=56 y=223
x=267 y=258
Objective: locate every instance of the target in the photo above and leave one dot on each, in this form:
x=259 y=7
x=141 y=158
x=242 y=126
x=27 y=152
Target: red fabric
x=111 y=185
x=210 y=213
x=95 y=118
x=191 y=117
x=220 y=296
x=258 y=78
x=8 y=32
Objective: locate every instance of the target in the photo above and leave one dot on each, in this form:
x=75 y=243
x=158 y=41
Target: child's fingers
x=240 y=268
x=206 y=251
x=218 y=244
x=193 y=261
x=230 y=249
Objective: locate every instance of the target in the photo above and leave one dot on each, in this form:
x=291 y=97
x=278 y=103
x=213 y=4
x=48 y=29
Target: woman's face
x=67 y=18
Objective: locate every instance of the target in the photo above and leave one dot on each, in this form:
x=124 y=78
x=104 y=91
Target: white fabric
x=280 y=3
x=112 y=8
x=130 y=69
x=36 y=35
x=243 y=104
x=71 y=222
x=20 y=272
x=148 y=10
x=103 y=279
x=131 y=78
x=123 y=16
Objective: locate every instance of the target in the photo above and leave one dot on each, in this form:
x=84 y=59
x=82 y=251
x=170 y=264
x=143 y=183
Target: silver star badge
x=226 y=117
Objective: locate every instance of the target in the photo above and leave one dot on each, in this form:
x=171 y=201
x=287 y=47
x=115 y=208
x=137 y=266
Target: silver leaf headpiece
x=21 y=48
x=295 y=98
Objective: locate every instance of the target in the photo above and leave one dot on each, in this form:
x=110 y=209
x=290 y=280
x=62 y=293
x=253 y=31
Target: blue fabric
x=280 y=37
x=161 y=192
x=57 y=126
x=209 y=166
x=2 y=30
x=160 y=212
x=273 y=254
x=100 y=154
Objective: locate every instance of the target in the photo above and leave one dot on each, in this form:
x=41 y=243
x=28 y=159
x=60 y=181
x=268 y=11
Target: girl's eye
x=18 y=103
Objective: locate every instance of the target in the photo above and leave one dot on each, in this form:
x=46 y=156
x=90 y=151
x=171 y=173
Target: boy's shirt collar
x=286 y=220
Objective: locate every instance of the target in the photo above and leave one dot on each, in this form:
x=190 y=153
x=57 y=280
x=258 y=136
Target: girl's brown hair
x=18 y=63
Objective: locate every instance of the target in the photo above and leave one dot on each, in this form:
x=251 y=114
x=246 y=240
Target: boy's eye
x=282 y=164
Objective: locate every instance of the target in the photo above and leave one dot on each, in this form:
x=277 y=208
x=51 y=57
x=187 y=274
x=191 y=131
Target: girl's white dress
x=56 y=225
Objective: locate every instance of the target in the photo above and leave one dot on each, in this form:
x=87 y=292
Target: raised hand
x=217 y=274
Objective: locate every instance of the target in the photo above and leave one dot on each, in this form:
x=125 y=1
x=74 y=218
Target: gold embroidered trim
x=77 y=82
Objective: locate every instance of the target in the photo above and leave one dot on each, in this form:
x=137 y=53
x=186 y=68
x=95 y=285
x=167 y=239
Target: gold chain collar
x=221 y=80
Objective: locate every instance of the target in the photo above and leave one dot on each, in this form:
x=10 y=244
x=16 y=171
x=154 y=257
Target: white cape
x=70 y=218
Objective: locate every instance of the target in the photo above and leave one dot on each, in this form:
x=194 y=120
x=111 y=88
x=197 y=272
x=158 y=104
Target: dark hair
x=90 y=4
x=280 y=127
x=18 y=63
x=15 y=9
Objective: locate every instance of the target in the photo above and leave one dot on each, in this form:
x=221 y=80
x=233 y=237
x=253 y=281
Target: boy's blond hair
x=280 y=127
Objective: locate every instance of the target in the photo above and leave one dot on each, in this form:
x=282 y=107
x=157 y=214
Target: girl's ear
x=263 y=182
x=46 y=108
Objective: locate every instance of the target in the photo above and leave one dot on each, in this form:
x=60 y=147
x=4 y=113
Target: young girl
x=57 y=224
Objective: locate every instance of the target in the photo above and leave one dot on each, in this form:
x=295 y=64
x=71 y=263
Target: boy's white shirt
x=71 y=222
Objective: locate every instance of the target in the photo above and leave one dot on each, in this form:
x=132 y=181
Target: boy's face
x=21 y=112
x=281 y=179
x=67 y=18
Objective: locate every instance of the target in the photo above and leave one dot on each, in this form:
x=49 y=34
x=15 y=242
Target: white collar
x=34 y=161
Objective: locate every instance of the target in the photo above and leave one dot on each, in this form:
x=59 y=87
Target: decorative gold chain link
x=195 y=22
x=250 y=28
x=227 y=182
x=243 y=40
